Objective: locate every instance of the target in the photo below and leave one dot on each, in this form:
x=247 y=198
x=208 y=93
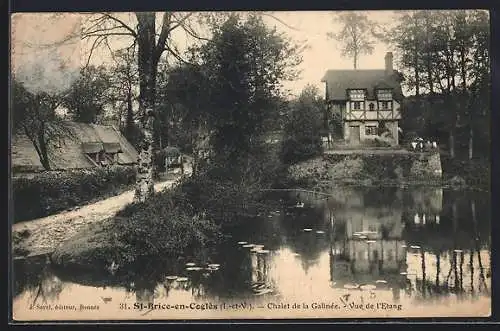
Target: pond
x=352 y=252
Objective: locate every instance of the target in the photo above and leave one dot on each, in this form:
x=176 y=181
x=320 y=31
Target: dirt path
x=44 y=234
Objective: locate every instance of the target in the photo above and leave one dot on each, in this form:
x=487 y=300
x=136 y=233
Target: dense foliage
x=444 y=56
x=50 y=192
x=303 y=127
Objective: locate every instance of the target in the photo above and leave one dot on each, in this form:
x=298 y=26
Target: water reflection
x=382 y=244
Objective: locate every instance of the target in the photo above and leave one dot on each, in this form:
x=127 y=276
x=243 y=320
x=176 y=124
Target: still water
x=352 y=252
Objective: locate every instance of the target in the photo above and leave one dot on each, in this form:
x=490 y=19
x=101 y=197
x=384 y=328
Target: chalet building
x=87 y=146
x=368 y=103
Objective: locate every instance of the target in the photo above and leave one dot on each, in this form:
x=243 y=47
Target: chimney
x=388 y=64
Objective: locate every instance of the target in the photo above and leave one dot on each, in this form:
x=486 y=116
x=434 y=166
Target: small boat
x=415 y=247
x=299 y=205
x=193 y=268
x=242 y=242
x=171 y=277
x=307 y=230
x=263 y=251
x=320 y=232
x=248 y=246
x=381 y=281
x=190 y=264
x=182 y=279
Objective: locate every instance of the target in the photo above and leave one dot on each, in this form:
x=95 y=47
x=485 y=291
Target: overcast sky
x=29 y=31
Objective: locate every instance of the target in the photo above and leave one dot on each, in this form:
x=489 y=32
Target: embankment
x=365 y=168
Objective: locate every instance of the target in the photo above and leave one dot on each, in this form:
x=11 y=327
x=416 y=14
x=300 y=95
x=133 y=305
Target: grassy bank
x=50 y=192
x=184 y=221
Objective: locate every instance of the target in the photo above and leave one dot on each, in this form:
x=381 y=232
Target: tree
x=445 y=54
x=303 y=127
x=89 y=95
x=124 y=94
x=37 y=91
x=151 y=45
x=244 y=64
x=355 y=36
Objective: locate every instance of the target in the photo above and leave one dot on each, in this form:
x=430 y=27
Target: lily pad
x=351 y=286
x=367 y=287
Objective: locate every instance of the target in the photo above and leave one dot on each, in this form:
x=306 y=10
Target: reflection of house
x=366 y=251
x=368 y=102
x=85 y=146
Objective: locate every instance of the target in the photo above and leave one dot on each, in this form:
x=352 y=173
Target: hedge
x=53 y=191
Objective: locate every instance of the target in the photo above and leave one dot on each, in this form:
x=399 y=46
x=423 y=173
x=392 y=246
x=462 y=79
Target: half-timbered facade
x=368 y=103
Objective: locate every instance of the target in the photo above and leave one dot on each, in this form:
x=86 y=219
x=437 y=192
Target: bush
x=296 y=150
x=53 y=191
x=166 y=224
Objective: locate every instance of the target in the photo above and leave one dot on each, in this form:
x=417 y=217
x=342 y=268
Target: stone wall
x=370 y=167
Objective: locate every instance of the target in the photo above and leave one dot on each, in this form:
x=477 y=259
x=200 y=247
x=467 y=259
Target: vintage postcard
x=250 y=165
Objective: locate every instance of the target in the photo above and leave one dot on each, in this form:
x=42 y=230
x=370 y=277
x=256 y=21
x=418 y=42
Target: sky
x=31 y=32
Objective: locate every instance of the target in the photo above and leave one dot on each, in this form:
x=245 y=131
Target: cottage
x=88 y=145
x=368 y=103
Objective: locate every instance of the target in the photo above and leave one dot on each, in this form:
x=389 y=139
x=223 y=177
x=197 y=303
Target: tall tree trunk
x=43 y=154
x=417 y=73
x=147 y=83
x=452 y=142
x=129 y=120
x=471 y=142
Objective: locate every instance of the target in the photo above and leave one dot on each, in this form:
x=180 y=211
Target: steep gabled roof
x=338 y=81
x=84 y=138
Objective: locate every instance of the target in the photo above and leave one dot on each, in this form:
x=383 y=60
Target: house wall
x=370 y=118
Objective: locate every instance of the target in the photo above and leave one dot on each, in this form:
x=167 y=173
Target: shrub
x=295 y=150
x=52 y=191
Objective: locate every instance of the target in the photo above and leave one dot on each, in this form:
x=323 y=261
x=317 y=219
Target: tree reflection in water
x=425 y=244
x=35 y=276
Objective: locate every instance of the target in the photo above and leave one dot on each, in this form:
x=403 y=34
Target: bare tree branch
x=280 y=21
x=95 y=44
x=165 y=32
x=132 y=31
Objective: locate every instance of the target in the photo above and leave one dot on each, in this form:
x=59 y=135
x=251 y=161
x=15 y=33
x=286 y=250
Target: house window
x=357 y=105
x=386 y=105
x=372 y=106
x=357 y=94
x=384 y=95
x=371 y=130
